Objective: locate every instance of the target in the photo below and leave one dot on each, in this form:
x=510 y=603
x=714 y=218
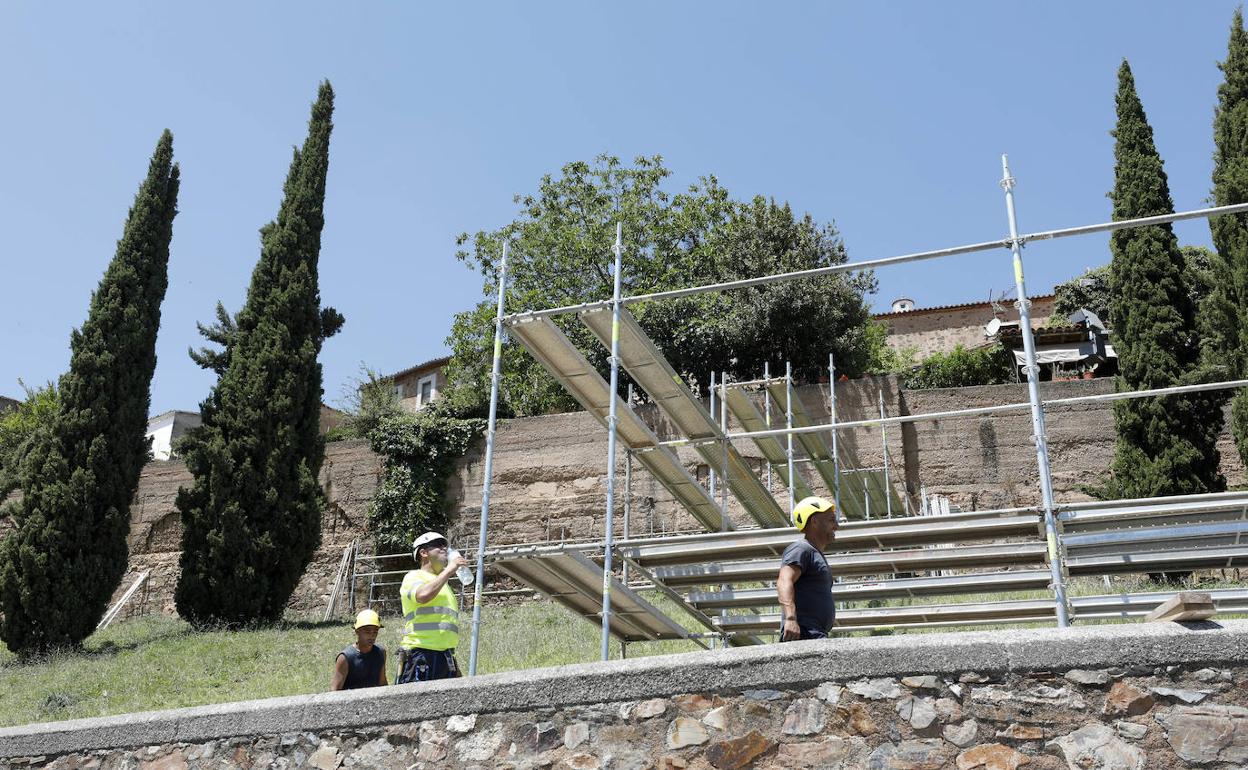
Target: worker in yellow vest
x=430 y=613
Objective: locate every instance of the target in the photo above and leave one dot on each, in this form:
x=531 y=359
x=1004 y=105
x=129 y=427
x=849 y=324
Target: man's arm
x=384 y=681
x=339 y=679
x=789 y=573
x=425 y=592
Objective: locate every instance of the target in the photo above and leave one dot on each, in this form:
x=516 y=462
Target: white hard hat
x=428 y=537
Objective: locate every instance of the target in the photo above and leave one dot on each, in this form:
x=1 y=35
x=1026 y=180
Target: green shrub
x=962 y=368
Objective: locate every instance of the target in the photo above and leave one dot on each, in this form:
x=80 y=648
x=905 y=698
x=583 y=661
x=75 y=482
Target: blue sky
x=887 y=118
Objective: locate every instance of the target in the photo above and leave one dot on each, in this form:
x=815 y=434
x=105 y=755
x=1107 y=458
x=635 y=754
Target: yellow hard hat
x=367 y=618
x=809 y=507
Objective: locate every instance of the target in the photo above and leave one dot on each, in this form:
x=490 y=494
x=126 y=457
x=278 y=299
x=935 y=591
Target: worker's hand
x=457 y=561
x=792 y=631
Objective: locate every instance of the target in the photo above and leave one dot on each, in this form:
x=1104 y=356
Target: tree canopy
x=561 y=255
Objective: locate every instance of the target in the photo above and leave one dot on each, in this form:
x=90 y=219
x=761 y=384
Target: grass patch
x=158 y=662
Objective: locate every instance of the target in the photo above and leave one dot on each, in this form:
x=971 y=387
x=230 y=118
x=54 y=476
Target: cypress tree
x=59 y=568
x=251 y=518
x=1223 y=314
x=1166 y=445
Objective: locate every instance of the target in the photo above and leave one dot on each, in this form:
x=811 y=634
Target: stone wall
x=1124 y=697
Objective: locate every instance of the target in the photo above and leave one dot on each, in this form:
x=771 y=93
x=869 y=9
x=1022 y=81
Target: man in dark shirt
x=804 y=585
x=362 y=664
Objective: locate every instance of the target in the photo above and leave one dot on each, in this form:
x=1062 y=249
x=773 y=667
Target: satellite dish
x=992 y=327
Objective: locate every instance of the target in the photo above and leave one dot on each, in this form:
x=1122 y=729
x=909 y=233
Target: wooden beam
x=1187 y=605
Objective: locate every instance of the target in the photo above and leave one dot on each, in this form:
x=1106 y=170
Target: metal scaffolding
x=630 y=348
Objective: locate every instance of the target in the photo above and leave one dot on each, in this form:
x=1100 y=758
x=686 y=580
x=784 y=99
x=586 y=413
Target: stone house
x=7 y=403
x=939 y=329
x=419 y=386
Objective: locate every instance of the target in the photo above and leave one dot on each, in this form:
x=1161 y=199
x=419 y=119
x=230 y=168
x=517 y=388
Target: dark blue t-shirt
x=363 y=669
x=812 y=593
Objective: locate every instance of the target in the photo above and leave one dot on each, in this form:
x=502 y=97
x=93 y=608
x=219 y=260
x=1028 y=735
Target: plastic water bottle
x=463 y=573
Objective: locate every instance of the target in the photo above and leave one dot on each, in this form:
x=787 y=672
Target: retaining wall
x=1120 y=697
x=550 y=475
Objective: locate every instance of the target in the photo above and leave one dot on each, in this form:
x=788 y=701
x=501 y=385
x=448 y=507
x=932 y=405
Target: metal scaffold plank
x=882 y=563
x=747 y=414
x=851 y=536
x=572 y=579
x=650 y=370
x=551 y=347
x=867 y=590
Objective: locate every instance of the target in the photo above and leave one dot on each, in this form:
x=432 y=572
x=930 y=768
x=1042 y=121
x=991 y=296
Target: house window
x=426 y=390
x=398 y=390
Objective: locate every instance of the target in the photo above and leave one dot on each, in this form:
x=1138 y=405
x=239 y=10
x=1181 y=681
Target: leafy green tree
x=1165 y=445
x=1224 y=313
x=560 y=255
x=251 y=518
x=59 y=568
x=20 y=428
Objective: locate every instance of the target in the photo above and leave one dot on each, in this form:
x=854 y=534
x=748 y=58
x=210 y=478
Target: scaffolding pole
x=710 y=468
x=767 y=414
x=612 y=420
x=888 y=497
x=723 y=429
x=836 y=455
x=788 y=424
x=1033 y=393
x=489 y=466
x=628 y=498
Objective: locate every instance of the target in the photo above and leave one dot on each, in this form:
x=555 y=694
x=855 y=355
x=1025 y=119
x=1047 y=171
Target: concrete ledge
x=797 y=665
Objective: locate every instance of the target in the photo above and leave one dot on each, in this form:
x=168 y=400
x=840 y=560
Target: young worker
x=362 y=664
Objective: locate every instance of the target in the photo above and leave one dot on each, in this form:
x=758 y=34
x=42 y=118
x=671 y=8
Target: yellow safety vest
x=433 y=625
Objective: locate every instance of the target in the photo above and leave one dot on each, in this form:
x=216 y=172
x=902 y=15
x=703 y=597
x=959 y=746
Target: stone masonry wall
x=1126 y=697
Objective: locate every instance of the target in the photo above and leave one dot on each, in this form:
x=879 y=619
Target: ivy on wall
x=419 y=453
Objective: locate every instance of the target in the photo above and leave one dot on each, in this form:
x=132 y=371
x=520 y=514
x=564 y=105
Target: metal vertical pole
x=866 y=496
x=710 y=469
x=487 y=483
x=723 y=427
x=612 y=423
x=788 y=423
x=723 y=502
x=888 y=498
x=767 y=413
x=836 y=455
x=628 y=497
x=1033 y=392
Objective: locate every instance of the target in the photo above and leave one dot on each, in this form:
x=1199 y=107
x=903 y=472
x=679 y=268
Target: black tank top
x=363 y=669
